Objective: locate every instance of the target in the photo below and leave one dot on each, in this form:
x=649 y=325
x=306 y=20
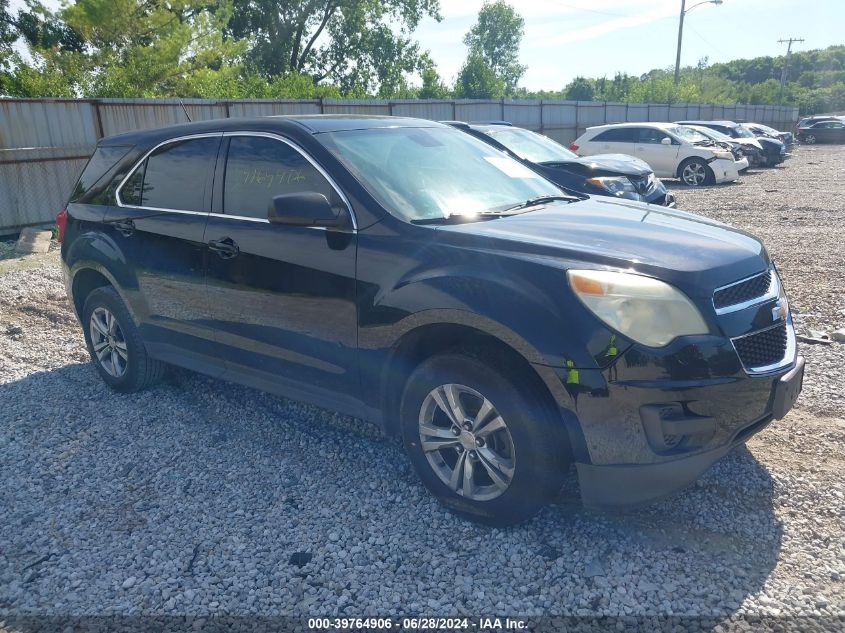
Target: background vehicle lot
x=192 y=497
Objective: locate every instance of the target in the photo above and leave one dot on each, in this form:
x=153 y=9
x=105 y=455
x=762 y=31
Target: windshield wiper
x=541 y=200
x=460 y=218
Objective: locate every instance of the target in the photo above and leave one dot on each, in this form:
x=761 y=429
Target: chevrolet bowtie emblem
x=780 y=310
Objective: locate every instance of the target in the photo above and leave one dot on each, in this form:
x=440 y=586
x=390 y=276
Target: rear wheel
x=115 y=344
x=694 y=172
x=480 y=442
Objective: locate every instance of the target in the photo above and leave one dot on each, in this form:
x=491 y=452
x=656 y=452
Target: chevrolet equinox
x=403 y=272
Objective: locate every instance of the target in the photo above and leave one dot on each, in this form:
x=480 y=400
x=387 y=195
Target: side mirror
x=304 y=209
x=666 y=141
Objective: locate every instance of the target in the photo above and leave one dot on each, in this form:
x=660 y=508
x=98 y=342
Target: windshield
x=744 y=132
x=688 y=134
x=529 y=145
x=714 y=134
x=428 y=173
x=767 y=129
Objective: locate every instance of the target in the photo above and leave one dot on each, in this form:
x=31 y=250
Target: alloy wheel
x=694 y=174
x=810 y=139
x=466 y=442
x=108 y=342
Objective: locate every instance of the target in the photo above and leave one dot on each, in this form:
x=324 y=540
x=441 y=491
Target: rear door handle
x=126 y=227
x=224 y=247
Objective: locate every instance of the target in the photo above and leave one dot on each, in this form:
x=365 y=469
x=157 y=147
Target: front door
x=282 y=297
x=651 y=148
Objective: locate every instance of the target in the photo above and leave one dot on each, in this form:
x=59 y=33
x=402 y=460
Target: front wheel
x=810 y=139
x=483 y=446
x=694 y=172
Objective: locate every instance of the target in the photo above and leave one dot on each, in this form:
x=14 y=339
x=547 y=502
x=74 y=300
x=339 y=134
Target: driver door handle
x=224 y=247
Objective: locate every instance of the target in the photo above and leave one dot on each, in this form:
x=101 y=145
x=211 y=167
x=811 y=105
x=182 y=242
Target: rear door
x=159 y=224
x=663 y=159
x=282 y=297
x=617 y=140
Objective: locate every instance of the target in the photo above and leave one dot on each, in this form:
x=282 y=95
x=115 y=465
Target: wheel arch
x=689 y=159
x=428 y=340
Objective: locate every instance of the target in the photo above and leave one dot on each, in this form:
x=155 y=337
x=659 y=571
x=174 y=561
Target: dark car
x=764 y=130
x=822 y=132
x=774 y=150
x=617 y=175
x=406 y=273
x=807 y=121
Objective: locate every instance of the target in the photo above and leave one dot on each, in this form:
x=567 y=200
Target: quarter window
x=259 y=169
x=173 y=176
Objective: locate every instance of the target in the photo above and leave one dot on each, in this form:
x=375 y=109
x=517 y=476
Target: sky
x=594 y=38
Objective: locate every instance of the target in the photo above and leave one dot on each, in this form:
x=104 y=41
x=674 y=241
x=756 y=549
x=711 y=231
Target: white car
x=743 y=153
x=672 y=151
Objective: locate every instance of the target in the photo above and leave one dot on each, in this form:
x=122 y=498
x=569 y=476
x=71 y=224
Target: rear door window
x=174 y=176
x=260 y=168
x=618 y=135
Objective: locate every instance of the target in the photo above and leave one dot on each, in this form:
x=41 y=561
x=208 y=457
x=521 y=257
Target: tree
x=8 y=35
x=580 y=89
x=478 y=80
x=360 y=45
x=496 y=37
x=432 y=86
x=127 y=48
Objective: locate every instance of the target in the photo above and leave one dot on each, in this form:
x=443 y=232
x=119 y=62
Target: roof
x=705 y=123
x=309 y=123
x=662 y=125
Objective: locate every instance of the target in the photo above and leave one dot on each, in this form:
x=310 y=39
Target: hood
x=753 y=142
x=682 y=248
x=616 y=163
x=765 y=140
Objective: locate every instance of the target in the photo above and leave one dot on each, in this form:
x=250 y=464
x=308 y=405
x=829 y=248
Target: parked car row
x=627 y=160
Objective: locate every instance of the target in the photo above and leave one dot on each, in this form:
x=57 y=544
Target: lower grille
x=764 y=348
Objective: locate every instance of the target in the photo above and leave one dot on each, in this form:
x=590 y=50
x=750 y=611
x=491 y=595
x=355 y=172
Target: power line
x=785 y=72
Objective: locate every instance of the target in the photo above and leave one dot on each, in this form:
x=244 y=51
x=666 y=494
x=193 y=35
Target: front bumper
x=724 y=170
x=629 y=484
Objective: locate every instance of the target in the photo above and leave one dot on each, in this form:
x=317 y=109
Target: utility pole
x=684 y=11
x=785 y=72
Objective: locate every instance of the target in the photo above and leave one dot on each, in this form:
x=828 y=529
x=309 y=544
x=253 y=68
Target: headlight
x=724 y=155
x=617 y=185
x=646 y=310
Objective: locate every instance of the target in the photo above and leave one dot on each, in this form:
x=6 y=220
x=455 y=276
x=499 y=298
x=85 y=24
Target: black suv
x=615 y=175
x=404 y=272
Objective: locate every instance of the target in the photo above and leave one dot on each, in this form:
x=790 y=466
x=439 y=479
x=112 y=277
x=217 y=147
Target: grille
x=743 y=291
x=763 y=348
x=641 y=183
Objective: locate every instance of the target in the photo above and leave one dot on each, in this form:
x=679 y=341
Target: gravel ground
x=199 y=497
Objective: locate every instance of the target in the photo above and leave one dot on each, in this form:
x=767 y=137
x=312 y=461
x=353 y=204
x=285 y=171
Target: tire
x=120 y=356
x=515 y=466
x=694 y=172
x=810 y=139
